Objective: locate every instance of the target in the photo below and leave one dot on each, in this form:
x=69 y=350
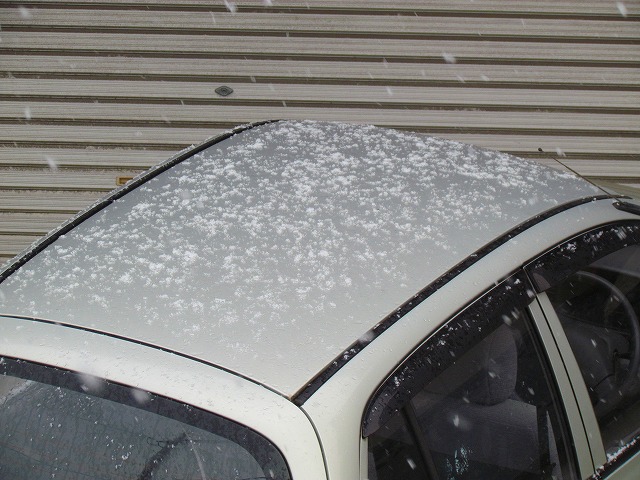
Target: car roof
x=275 y=248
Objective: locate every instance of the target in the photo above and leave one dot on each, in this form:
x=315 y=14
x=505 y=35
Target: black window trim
x=559 y=262
x=623 y=455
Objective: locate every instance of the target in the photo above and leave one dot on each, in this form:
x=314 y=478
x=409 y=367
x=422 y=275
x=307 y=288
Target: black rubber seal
x=618 y=460
x=628 y=207
x=555 y=265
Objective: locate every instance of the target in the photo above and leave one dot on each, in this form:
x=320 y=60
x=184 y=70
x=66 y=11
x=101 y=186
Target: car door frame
x=569 y=409
x=558 y=262
x=337 y=406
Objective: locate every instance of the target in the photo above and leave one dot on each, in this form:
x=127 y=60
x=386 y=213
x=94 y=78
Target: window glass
x=488 y=407
x=58 y=424
x=394 y=451
x=598 y=307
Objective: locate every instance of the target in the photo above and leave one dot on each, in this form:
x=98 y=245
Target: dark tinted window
x=599 y=307
x=482 y=402
x=58 y=424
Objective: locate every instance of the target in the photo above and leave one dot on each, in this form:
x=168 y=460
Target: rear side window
x=60 y=424
x=477 y=400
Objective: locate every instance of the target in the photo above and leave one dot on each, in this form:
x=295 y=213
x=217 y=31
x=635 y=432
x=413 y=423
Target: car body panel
x=173 y=376
x=337 y=407
x=581 y=435
x=579 y=388
x=282 y=236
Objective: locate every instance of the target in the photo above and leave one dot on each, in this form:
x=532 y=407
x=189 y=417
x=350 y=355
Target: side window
x=59 y=424
x=477 y=400
x=598 y=305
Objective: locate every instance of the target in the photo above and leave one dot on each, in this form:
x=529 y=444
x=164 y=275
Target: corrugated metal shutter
x=97 y=90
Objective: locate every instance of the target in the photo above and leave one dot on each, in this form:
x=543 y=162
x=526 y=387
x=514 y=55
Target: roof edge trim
x=302 y=395
x=31 y=251
x=628 y=207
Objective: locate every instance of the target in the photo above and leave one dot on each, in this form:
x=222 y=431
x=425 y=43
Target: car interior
x=493 y=413
x=599 y=309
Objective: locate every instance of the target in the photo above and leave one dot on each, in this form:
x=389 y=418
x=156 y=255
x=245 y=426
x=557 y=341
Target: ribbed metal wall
x=95 y=91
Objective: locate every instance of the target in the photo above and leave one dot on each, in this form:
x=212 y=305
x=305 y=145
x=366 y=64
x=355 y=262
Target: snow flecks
x=51 y=162
x=286 y=233
x=622 y=8
x=140 y=396
x=367 y=337
x=449 y=57
x=231 y=6
x=25 y=13
x=91 y=383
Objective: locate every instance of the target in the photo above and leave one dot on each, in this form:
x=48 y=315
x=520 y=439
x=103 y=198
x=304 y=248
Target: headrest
x=496 y=358
x=486 y=374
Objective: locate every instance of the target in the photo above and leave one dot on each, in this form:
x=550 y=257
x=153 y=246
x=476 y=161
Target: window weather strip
x=553 y=266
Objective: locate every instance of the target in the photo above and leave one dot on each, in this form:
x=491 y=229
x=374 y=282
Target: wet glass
x=58 y=424
x=492 y=410
x=599 y=307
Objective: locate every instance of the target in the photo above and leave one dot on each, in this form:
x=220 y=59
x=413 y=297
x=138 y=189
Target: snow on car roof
x=271 y=251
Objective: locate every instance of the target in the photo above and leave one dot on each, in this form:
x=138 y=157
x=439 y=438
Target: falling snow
x=51 y=162
x=25 y=13
x=449 y=57
x=231 y=6
x=622 y=8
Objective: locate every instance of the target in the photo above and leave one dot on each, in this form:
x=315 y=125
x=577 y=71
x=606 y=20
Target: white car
x=313 y=301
